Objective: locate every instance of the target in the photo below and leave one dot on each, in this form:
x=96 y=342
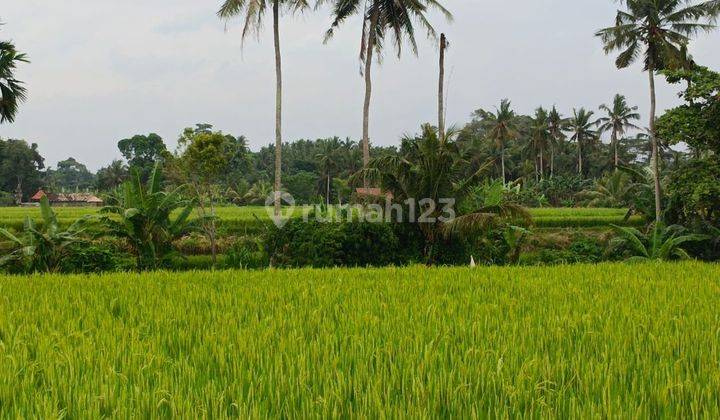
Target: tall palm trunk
x=580 y=159
x=278 y=106
x=552 y=161
x=502 y=162
x=368 y=92
x=653 y=141
x=441 y=88
x=327 y=199
x=615 y=146
x=542 y=165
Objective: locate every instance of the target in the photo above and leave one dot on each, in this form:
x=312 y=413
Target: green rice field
x=612 y=340
x=244 y=218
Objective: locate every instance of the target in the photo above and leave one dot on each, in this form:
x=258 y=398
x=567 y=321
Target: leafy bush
x=581 y=249
x=40 y=248
x=694 y=192
x=94 y=258
x=315 y=244
x=246 y=253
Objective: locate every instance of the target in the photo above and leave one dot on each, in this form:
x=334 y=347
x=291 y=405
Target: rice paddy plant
x=610 y=340
x=244 y=219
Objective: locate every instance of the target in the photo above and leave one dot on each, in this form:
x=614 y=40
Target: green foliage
x=41 y=249
x=698 y=122
x=657 y=31
x=694 y=193
x=659 y=243
x=70 y=176
x=112 y=176
x=142 y=218
x=302 y=186
x=143 y=152
x=12 y=90
x=94 y=258
x=348 y=244
x=247 y=253
x=581 y=250
x=20 y=165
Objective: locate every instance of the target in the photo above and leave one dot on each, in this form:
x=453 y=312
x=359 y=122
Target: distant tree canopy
x=70 y=176
x=20 y=168
x=142 y=152
x=112 y=176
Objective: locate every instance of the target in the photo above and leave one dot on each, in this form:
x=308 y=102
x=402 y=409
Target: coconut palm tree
x=555 y=127
x=253 y=12
x=617 y=121
x=380 y=17
x=580 y=126
x=503 y=129
x=12 y=91
x=540 y=140
x=328 y=163
x=658 y=31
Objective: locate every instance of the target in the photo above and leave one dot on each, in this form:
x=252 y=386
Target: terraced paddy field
x=245 y=219
x=610 y=340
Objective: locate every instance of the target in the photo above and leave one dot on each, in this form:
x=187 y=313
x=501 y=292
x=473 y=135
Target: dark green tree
x=20 y=166
x=142 y=152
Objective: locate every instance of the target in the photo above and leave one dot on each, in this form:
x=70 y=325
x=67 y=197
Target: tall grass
x=573 y=342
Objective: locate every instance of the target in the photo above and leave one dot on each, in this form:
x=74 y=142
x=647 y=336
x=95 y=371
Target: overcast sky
x=104 y=70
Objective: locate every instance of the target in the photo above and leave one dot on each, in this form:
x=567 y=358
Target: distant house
x=68 y=200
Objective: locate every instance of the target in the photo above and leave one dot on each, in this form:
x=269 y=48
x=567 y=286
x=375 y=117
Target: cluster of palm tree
x=549 y=129
x=383 y=21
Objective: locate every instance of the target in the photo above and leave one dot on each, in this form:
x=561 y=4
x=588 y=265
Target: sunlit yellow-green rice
x=247 y=217
x=602 y=341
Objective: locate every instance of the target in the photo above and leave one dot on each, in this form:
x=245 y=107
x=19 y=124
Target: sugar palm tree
x=12 y=91
x=618 y=121
x=555 y=127
x=657 y=30
x=254 y=11
x=503 y=129
x=581 y=128
x=380 y=17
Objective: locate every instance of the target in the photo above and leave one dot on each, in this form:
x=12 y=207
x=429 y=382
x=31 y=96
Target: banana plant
x=41 y=248
x=142 y=216
x=659 y=243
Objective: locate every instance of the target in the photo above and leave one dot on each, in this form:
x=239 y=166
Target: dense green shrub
x=316 y=244
x=581 y=249
x=94 y=258
x=246 y=253
x=694 y=193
